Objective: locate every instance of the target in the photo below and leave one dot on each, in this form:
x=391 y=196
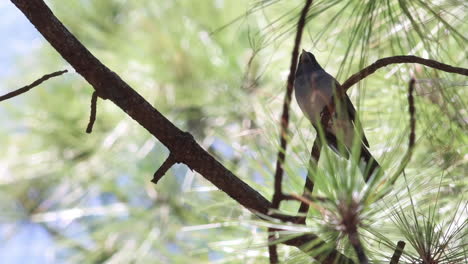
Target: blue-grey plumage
x=313 y=87
x=319 y=94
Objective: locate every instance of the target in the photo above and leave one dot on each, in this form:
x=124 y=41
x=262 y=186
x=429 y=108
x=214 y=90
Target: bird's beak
x=304 y=57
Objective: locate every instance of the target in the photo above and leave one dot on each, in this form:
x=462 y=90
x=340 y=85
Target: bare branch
x=110 y=86
x=92 y=115
x=32 y=85
x=398 y=251
x=309 y=184
x=355 y=78
x=277 y=196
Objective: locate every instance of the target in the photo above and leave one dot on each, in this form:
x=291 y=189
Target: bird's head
x=307 y=63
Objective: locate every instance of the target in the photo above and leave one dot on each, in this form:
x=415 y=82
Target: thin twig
x=92 y=115
x=167 y=164
x=286 y=104
x=277 y=196
x=412 y=135
x=32 y=85
x=411 y=142
x=355 y=78
x=305 y=198
x=398 y=251
x=411 y=111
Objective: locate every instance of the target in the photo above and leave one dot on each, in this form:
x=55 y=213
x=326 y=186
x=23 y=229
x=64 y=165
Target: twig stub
x=92 y=115
x=398 y=252
x=167 y=164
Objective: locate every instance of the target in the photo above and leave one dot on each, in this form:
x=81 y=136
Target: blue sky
x=17 y=37
x=20 y=242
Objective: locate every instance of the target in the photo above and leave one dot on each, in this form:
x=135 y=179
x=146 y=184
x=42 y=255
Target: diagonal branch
x=32 y=85
x=355 y=78
x=110 y=86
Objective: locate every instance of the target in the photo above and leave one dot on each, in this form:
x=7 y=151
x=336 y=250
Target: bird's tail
x=371 y=166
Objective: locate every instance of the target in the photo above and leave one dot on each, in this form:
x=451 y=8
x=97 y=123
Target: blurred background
x=218 y=69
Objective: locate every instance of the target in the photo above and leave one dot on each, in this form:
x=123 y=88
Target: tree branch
x=355 y=78
x=398 y=251
x=287 y=101
x=110 y=86
x=278 y=194
x=309 y=184
x=32 y=85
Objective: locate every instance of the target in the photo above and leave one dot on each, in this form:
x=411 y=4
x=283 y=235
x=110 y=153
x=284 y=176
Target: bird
x=329 y=109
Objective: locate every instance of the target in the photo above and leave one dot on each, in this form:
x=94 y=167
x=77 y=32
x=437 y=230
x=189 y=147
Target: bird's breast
x=313 y=94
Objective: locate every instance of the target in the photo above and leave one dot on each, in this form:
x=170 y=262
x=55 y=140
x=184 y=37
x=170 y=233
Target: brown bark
x=380 y=63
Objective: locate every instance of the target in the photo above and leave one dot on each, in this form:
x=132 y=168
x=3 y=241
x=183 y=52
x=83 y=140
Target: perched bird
x=326 y=105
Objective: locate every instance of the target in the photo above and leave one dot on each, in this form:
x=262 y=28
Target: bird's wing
x=351 y=112
x=352 y=116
